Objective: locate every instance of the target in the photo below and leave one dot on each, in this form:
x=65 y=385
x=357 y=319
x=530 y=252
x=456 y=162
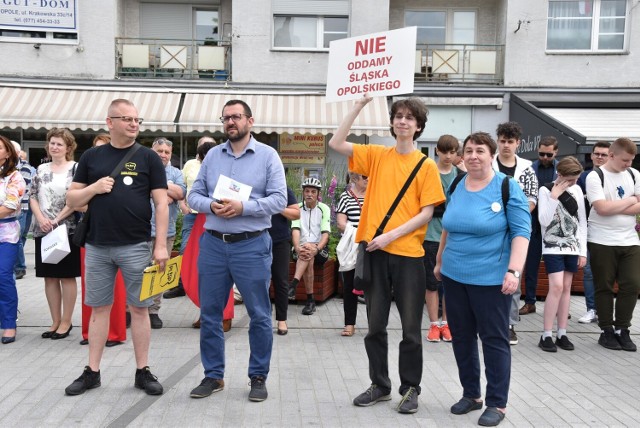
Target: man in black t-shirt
x=120 y=237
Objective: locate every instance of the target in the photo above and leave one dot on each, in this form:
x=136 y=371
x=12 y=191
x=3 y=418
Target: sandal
x=348 y=331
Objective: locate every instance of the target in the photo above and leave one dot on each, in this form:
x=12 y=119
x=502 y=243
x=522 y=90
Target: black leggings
x=280 y=277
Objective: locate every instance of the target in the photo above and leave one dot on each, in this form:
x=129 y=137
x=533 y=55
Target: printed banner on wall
x=59 y=16
x=377 y=64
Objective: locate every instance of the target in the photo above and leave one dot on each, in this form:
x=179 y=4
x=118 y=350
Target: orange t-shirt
x=388 y=171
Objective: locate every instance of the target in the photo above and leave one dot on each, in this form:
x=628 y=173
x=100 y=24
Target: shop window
x=587 y=25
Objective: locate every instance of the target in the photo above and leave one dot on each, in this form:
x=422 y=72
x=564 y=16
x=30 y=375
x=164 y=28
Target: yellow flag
x=155 y=282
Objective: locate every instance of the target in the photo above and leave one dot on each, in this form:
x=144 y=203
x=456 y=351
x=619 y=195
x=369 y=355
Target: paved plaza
x=315 y=373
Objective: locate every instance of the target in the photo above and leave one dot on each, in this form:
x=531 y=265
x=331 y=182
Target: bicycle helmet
x=312 y=182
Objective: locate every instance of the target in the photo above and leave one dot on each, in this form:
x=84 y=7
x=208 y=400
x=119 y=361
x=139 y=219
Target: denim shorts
x=560 y=263
x=101 y=266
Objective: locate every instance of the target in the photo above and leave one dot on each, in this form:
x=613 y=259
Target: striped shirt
x=349 y=206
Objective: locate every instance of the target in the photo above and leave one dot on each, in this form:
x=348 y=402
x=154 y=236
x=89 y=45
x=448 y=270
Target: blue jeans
x=483 y=311
x=25 y=222
x=405 y=276
x=8 y=292
x=187 y=224
x=248 y=264
x=587 y=283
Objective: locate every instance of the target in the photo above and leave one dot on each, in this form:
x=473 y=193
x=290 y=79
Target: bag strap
x=393 y=207
x=353 y=195
x=114 y=173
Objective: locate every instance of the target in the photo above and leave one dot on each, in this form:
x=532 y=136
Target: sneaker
x=156 y=322
x=309 y=308
x=409 y=402
x=513 y=338
x=145 y=380
x=445 y=333
x=434 y=333
x=371 y=396
x=547 y=345
x=563 y=342
x=608 y=339
x=292 y=291
x=258 y=389
x=589 y=317
x=173 y=293
x=466 y=405
x=207 y=387
x=625 y=341
x=88 y=380
x=20 y=274
x=361 y=300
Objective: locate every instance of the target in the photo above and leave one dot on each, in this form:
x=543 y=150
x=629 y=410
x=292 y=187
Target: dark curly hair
x=509 y=130
x=10 y=164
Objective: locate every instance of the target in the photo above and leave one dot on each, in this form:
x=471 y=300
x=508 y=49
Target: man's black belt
x=230 y=238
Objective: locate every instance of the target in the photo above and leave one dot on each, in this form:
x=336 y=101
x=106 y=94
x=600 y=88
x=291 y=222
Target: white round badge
x=127 y=180
x=495 y=207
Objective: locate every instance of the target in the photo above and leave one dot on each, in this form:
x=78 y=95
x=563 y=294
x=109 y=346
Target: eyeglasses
x=234 y=117
x=128 y=119
x=546 y=155
x=160 y=141
x=364 y=177
x=599 y=155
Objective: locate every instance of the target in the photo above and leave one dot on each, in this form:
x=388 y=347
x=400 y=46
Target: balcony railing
x=448 y=63
x=172 y=59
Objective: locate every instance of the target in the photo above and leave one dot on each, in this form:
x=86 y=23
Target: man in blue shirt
x=236 y=247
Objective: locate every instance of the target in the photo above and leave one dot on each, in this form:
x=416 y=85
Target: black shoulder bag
x=82 y=228
x=362 y=274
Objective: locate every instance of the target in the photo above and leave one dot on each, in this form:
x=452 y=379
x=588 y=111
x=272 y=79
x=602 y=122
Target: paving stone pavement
x=315 y=373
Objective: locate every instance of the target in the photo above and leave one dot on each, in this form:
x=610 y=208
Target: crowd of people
x=427 y=232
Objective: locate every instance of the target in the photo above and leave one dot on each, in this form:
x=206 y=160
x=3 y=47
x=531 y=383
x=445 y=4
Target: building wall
x=253 y=60
x=528 y=65
x=92 y=58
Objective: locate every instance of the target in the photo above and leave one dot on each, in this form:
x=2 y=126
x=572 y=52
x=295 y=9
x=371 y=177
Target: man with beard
x=236 y=247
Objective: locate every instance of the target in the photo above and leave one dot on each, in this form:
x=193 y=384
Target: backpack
x=505 y=189
x=598 y=171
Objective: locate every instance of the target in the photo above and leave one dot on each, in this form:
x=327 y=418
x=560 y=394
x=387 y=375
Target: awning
x=82 y=109
x=599 y=123
x=284 y=113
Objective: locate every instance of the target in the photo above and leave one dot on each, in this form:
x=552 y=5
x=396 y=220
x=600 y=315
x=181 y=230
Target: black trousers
x=350 y=300
x=280 y=276
x=406 y=276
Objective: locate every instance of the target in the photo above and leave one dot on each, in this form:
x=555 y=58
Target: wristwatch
x=514 y=272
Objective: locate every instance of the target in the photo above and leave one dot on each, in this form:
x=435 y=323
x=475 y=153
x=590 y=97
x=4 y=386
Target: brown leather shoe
x=226 y=325
x=527 y=308
x=196 y=323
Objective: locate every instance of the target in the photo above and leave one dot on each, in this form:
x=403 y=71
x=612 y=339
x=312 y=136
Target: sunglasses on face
x=545 y=155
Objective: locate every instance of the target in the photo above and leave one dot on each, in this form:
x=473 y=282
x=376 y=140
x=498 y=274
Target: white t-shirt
x=562 y=233
x=618 y=229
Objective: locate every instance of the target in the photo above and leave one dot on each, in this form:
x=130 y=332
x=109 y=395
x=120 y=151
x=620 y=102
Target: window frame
x=49 y=38
x=449 y=18
x=595 y=33
x=320 y=32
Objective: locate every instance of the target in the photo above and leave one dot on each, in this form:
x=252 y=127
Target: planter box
x=324 y=283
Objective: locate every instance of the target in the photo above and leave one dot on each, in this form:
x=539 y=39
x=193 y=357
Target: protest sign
x=377 y=64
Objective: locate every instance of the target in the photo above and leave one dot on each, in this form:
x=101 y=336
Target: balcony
x=467 y=64
x=172 y=59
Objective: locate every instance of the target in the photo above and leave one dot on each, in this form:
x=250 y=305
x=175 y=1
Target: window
x=310 y=32
x=309 y=24
x=439 y=27
x=37 y=36
x=586 y=25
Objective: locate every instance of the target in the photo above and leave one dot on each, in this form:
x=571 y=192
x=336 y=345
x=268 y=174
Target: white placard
x=377 y=64
x=39 y=15
x=228 y=188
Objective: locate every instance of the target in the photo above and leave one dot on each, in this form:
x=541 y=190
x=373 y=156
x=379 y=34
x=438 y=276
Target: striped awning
x=47 y=108
x=303 y=114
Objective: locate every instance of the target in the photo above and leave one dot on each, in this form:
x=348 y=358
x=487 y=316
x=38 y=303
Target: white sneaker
x=589 y=317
